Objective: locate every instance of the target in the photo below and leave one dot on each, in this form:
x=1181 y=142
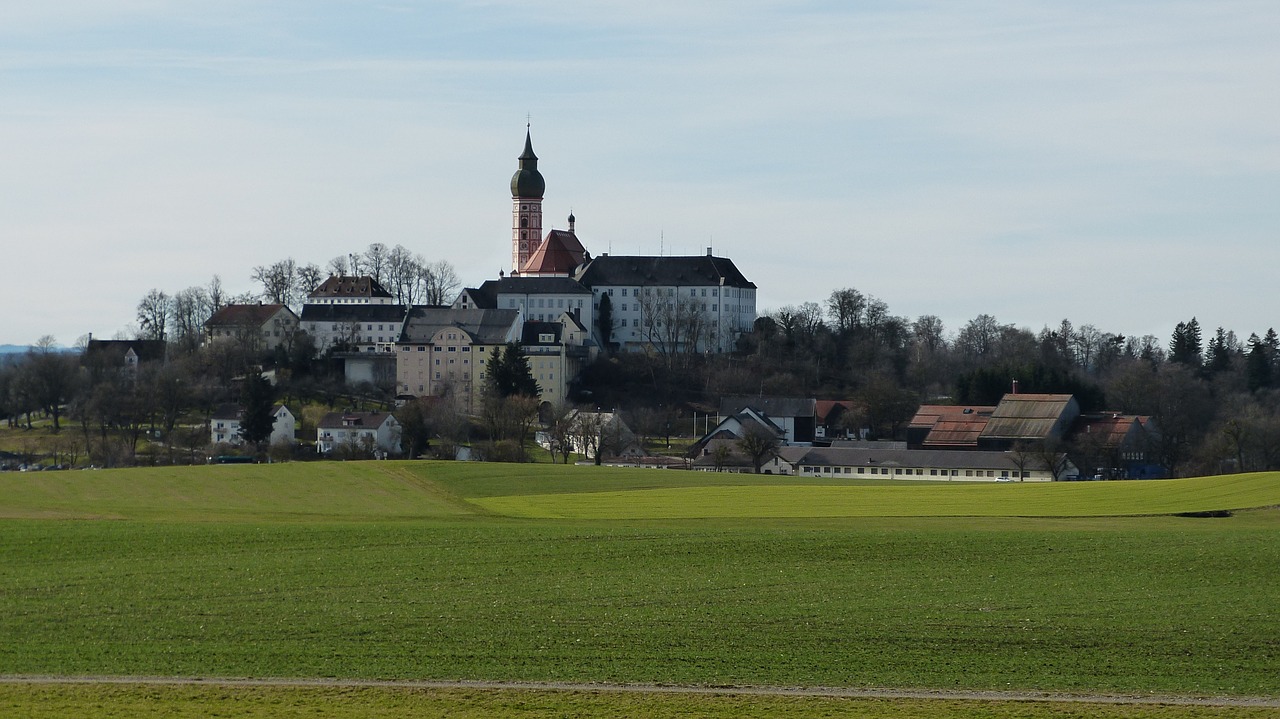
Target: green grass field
x=518 y=573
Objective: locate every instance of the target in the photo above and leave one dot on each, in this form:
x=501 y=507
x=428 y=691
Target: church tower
x=527 y=187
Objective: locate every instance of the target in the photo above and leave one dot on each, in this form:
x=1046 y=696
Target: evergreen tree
x=258 y=420
x=1219 y=359
x=1185 y=347
x=510 y=374
x=604 y=318
x=1258 y=364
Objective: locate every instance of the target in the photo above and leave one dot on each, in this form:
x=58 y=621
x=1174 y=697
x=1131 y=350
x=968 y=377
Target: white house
x=224 y=425
x=364 y=431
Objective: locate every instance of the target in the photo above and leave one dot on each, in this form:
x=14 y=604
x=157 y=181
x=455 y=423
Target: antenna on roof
x=662 y=242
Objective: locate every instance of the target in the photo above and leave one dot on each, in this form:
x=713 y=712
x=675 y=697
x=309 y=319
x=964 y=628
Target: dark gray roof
x=533 y=329
x=771 y=406
x=352 y=313
x=533 y=286
x=146 y=350
x=697 y=270
x=244 y=315
x=480 y=297
x=485 y=326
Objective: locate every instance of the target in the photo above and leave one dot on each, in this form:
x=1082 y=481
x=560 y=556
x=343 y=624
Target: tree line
x=1216 y=404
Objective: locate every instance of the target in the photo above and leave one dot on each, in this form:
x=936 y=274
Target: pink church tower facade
x=527 y=188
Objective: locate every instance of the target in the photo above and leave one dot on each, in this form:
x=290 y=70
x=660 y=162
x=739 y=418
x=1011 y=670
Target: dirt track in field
x=993 y=696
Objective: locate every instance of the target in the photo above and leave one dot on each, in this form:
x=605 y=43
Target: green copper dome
x=528 y=182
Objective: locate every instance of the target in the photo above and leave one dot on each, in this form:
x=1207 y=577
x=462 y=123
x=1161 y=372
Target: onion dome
x=528 y=182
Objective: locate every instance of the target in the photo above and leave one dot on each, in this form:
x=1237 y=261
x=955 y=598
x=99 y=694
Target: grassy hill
x=507 y=572
x=364 y=491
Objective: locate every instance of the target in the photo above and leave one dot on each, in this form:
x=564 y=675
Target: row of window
x=910 y=471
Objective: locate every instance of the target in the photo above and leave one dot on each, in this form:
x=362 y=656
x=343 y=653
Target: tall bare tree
x=279 y=281
x=375 y=262
x=190 y=310
x=153 y=316
x=440 y=282
x=309 y=277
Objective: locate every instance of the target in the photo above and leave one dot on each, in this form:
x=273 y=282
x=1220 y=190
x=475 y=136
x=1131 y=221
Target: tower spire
x=527 y=187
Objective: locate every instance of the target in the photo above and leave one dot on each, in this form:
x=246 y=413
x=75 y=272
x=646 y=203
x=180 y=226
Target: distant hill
x=21 y=349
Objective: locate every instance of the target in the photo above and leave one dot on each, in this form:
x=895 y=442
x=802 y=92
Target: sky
x=1111 y=163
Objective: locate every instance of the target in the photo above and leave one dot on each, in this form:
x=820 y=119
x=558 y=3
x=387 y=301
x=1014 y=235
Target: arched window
x=524 y=221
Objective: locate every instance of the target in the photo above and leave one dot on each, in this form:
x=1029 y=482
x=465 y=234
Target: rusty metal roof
x=929 y=414
x=1028 y=416
x=956 y=431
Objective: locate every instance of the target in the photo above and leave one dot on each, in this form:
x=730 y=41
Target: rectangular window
x=610 y=291
x=713 y=307
x=466 y=349
x=624 y=292
x=453 y=349
x=715 y=292
x=694 y=293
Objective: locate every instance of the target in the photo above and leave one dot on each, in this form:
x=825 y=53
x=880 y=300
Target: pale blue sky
x=1117 y=164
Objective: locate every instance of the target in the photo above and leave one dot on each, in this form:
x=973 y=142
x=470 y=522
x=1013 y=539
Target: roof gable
x=559 y=253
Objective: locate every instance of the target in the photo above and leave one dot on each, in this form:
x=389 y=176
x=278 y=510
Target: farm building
x=920 y=464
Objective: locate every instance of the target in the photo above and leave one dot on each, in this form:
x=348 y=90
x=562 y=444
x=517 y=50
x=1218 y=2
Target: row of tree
x=179 y=318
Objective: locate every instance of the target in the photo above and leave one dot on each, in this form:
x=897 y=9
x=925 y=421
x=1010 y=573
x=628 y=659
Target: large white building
x=701 y=303
x=666 y=304
x=352 y=312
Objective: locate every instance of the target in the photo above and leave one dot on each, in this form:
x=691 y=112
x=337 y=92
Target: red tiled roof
x=1112 y=428
x=347 y=286
x=559 y=253
x=824 y=407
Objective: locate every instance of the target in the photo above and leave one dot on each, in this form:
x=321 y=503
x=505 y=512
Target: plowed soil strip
x=840 y=692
